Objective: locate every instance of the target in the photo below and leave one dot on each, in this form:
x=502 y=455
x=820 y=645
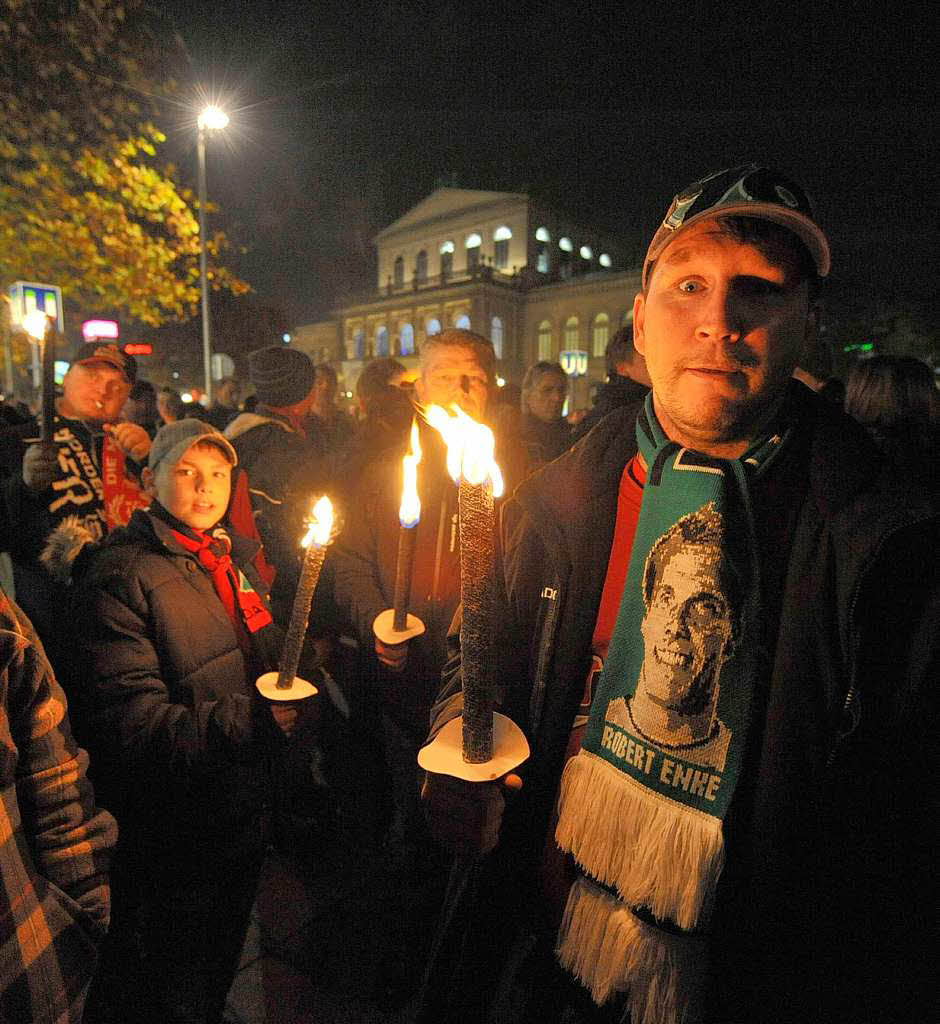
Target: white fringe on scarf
x=610 y=950
x=655 y=852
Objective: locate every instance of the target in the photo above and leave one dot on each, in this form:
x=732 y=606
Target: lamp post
x=211 y=119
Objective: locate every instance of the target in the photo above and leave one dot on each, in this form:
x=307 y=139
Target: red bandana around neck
x=231 y=584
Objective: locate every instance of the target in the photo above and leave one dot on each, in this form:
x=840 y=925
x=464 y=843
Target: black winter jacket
x=821 y=913
x=165 y=699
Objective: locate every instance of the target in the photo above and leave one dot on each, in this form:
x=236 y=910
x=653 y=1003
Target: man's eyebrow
x=678 y=256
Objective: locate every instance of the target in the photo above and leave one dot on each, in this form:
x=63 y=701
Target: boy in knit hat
x=172 y=626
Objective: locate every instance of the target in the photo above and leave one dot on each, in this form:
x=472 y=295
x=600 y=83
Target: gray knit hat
x=174 y=440
x=281 y=376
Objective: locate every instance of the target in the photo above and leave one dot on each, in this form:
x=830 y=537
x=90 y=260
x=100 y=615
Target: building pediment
x=445 y=203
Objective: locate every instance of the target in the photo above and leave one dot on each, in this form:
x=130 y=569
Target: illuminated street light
x=35 y=323
x=210 y=120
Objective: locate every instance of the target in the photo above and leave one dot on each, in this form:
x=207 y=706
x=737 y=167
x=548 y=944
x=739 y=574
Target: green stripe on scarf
x=642 y=804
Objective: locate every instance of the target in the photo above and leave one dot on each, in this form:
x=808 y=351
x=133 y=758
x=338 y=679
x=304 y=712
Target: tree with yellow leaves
x=83 y=203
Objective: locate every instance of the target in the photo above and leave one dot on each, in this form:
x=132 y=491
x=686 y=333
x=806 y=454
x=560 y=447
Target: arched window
x=496 y=336
x=358 y=344
x=399 y=274
x=572 y=334
x=565 y=244
x=381 y=341
x=462 y=322
x=501 y=238
x=605 y=260
x=447 y=259
x=545 y=340
x=421 y=267
x=600 y=334
x=472 y=245
x=586 y=252
x=432 y=326
x=542 y=235
x=406 y=343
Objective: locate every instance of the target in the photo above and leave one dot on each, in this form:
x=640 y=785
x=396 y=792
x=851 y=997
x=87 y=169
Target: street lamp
x=212 y=119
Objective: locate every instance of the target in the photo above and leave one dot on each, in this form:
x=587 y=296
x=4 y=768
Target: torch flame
x=409 y=512
x=321 y=525
x=470 y=447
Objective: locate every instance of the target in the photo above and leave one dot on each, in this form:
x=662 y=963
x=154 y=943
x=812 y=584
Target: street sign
x=574 y=361
x=25 y=296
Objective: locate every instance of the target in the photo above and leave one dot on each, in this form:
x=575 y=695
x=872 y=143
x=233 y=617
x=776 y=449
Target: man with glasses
x=783 y=880
x=88 y=473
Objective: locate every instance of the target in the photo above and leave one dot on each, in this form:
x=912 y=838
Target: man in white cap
x=782 y=880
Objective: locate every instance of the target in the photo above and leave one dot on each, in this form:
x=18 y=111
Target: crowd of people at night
x=715 y=615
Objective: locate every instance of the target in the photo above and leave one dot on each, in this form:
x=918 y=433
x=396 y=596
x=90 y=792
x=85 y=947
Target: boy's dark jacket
x=165 y=698
x=821 y=910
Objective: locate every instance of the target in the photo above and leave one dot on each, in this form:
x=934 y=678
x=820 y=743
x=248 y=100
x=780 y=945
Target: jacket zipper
x=537 y=700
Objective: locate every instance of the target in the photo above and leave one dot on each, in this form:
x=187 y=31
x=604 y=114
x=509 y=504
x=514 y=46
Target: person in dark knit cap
x=283 y=472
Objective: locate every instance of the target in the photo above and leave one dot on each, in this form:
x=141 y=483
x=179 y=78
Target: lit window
x=496 y=336
x=545 y=340
x=421 y=267
x=541 y=257
x=406 y=343
x=358 y=344
x=381 y=341
x=433 y=326
x=605 y=260
x=600 y=334
x=565 y=244
x=571 y=332
x=501 y=238
x=399 y=274
x=542 y=235
x=462 y=322
x=447 y=247
x=473 y=244
x=586 y=253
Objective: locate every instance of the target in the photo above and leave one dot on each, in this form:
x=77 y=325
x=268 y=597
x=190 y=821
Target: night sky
x=345 y=116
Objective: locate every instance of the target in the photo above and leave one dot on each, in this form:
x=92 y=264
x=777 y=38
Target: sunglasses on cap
x=747 y=191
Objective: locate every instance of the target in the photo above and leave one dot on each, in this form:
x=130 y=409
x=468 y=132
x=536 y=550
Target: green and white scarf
x=642 y=804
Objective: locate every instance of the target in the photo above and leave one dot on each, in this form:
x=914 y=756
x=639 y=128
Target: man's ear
x=639 y=313
x=420 y=392
x=149 y=480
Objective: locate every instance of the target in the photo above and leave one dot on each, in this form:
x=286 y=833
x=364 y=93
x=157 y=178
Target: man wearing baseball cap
x=793 y=623
x=90 y=471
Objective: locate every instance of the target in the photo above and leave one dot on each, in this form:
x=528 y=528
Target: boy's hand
x=285 y=715
x=40 y=463
x=392 y=656
x=132 y=439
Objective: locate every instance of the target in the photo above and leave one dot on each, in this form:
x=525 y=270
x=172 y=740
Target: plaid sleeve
x=54 y=843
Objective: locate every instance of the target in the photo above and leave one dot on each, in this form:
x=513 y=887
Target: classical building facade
x=535 y=283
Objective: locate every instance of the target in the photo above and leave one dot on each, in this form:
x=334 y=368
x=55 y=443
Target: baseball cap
x=98 y=352
x=748 y=190
x=174 y=440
